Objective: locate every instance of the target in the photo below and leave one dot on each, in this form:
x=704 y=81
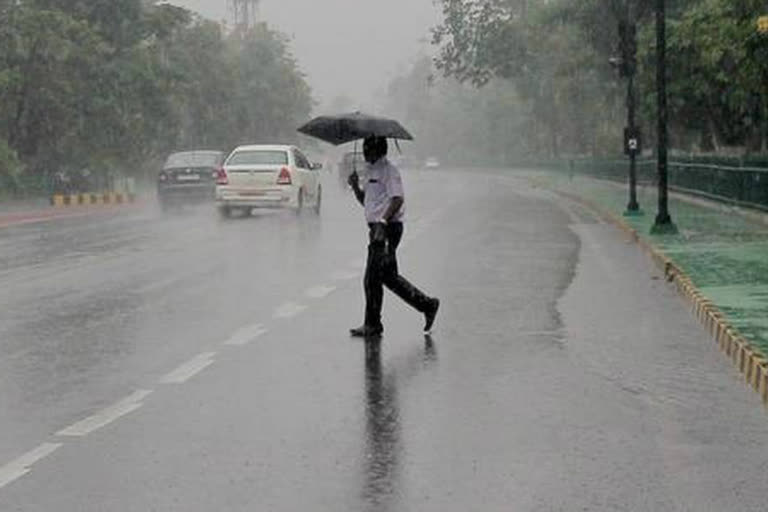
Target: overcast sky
x=345 y=47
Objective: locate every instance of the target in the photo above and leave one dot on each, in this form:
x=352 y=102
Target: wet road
x=184 y=363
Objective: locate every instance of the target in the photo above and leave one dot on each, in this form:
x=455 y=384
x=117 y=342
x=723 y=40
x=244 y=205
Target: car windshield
x=193 y=159
x=258 y=157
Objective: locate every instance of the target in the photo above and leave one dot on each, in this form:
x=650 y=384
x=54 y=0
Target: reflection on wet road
x=382 y=428
x=186 y=363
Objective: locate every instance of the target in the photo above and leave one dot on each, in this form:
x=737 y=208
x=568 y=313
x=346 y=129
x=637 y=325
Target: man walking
x=383 y=201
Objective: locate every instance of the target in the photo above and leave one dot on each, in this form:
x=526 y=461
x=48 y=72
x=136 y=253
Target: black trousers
x=381 y=270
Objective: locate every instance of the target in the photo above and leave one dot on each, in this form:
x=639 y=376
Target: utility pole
x=663 y=223
x=244 y=13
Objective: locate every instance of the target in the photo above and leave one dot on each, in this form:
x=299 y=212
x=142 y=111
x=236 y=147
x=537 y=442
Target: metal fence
x=743 y=182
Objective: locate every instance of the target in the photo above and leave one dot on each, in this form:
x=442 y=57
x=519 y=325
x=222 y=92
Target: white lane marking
x=106 y=416
x=288 y=310
x=189 y=369
x=320 y=292
x=345 y=275
x=159 y=285
x=246 y=335
x=21 y=466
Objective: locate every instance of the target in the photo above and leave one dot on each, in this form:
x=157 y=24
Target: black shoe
x=430 y=314
x=366 y=331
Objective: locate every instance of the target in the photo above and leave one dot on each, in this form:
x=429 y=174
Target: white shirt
x=383 y=183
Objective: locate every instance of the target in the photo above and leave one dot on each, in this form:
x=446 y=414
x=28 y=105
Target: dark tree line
x=114 y=85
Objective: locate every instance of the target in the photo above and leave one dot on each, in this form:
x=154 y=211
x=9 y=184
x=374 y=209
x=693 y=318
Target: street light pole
x=633 y=208
x=663 y=223
x=627 y=64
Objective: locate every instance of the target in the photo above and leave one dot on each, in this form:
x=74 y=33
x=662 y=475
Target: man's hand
x=354 y=180
x=379 y=232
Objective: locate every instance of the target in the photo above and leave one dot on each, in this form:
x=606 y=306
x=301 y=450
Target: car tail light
x=285 y=176
x=221 y=176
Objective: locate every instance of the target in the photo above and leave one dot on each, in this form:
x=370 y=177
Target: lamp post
x=632 y=144
x=663 y=223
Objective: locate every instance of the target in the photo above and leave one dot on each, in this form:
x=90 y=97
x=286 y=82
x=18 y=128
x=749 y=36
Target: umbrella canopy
x=344 y=128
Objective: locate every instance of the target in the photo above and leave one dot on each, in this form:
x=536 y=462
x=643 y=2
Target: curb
x=62 y=200
x=749 y=361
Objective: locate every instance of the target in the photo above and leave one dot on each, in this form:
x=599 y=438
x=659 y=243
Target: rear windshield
x=193 y=159
x=258 y=157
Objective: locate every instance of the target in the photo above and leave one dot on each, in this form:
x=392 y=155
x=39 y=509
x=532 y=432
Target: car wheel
x=318 y=200
x=225 y=212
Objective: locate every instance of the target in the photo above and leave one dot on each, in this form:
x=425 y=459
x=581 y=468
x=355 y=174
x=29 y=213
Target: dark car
x=351 y=161
x=188 y=177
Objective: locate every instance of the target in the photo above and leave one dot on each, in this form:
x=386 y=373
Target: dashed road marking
x=106 y=416
x=189 y=369
x=345 y=275
x=319 y=292
x=289 y=310
x=23 y=465
x=158 y=285
x=246 y=335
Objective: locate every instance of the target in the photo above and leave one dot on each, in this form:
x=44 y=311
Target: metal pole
x=633 y=207
x=663 y=223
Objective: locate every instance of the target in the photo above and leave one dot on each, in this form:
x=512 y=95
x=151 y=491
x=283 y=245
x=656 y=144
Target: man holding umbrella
x=383 y=200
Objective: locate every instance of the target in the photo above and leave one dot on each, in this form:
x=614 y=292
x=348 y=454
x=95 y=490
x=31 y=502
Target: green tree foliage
x=10 y=169
x=556 y=53
x=114 y=85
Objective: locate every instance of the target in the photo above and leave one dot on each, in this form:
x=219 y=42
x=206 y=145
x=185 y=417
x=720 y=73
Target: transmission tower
x=245 y=13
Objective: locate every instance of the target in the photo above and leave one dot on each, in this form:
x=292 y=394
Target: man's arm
x=394 y=184
x=354 y=182
x=394 y=207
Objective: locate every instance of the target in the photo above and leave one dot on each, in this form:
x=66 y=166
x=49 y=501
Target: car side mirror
x=316 y=166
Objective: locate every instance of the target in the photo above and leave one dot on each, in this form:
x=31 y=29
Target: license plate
x=252 y=193
x=187 y=177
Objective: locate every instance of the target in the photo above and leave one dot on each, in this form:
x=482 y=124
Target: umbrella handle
x=354 y=159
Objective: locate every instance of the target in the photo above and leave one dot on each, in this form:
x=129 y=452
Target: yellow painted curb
x=103 y=198
x=746 y=358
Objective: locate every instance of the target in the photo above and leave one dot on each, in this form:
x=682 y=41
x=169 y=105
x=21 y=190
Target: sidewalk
x=724 y=253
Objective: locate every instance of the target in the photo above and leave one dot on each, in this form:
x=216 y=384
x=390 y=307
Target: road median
x=34 y=212
x=716 y=261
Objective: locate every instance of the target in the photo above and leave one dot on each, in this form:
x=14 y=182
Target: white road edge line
x=246 y=335
x=288 y=310
x=106 y=415
x=319 y=292
x=23 y=465
x=189 y=369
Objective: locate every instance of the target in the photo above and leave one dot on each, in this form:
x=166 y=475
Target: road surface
x=188 y=363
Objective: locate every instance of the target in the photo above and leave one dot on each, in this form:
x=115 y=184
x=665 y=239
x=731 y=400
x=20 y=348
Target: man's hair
x=376 y=144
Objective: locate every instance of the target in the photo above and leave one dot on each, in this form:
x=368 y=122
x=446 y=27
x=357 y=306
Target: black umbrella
x=344 y=128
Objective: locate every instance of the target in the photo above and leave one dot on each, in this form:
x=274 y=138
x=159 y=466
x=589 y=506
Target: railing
x=745 y=183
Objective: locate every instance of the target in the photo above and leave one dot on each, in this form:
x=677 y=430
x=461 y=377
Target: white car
x=267 y=176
